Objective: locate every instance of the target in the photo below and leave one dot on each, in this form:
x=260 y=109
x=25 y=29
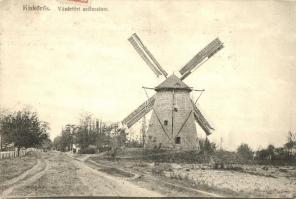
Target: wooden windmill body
x=172 y=123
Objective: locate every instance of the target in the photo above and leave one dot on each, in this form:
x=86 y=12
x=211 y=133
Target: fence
x=13 y=154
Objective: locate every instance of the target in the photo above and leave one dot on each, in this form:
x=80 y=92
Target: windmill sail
x=146 y=55
x=204 y=54
x=201 y=120
x=137 y=114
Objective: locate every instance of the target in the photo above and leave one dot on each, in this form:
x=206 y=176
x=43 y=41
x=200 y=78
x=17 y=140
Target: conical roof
x=172 y=82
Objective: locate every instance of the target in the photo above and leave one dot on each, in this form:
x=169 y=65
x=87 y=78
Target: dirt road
x=56 y=174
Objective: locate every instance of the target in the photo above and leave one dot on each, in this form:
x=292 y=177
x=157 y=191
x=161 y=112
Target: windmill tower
x=172 y=123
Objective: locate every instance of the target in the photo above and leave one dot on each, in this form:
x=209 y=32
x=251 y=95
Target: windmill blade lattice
x=200 y=57
x=147 y=55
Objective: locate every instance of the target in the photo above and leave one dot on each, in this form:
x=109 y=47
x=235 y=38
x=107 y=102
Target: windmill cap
x=172 y=82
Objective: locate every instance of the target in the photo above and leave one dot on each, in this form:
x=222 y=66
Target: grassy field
x=176 y=156
x=10 y=168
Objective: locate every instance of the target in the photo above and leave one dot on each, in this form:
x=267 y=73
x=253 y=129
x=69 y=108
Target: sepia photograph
x=151 y=98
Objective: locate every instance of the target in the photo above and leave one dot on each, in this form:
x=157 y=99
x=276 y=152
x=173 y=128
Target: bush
x=158 y=170
x=88 y=150
x=245 y=152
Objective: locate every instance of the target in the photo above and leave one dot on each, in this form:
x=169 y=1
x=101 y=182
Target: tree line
x=89 y=136
x=22 y=129
x=270 y=154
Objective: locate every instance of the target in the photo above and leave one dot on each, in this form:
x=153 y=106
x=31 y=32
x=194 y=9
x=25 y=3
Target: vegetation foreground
x=229 y=179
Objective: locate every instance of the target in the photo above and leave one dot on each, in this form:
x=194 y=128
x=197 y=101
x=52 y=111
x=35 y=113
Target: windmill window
x=178 y=140
x=165 y=122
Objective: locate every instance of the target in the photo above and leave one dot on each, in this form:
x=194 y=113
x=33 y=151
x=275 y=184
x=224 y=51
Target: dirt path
x=56 y=174
x=25 y=178
x=117 y=186
x=34 y=169
x=100 y=183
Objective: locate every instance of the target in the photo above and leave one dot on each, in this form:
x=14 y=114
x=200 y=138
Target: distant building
x=75 y=148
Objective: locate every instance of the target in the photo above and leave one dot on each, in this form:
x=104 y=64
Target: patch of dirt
x=60 y=178
x=102 y=184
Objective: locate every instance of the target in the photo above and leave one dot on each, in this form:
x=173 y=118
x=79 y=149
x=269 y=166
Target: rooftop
x=172 y=82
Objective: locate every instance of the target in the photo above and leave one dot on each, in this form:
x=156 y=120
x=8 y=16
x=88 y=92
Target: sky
x=62 y=64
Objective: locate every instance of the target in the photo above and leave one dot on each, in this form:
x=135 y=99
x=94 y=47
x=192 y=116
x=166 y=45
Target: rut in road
x=14 y=180
x=153 y=179
x=64 y=176
x=100 y=183
x=25 y=178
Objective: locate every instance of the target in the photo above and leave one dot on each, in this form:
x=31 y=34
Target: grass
x=176 y=156
x=116 y=172
x=10 y=168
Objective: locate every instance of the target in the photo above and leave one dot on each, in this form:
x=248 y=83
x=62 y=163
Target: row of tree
x=271 y=154
x=89 y=135
x=22 y=129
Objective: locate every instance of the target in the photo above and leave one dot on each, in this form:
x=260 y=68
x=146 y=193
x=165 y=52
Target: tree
x=270 y=151
x=57 y=143
x=24 y=129
x=206 y=146
x=245 y=151
x=84 y=135
x=291 y=138
x=66 y=139
x=88 y=135
x=121 y=137
x=280 y=154
x=3 y=137
x=46 y=144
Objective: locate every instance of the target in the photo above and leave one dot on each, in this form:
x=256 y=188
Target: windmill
x=172 y=123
